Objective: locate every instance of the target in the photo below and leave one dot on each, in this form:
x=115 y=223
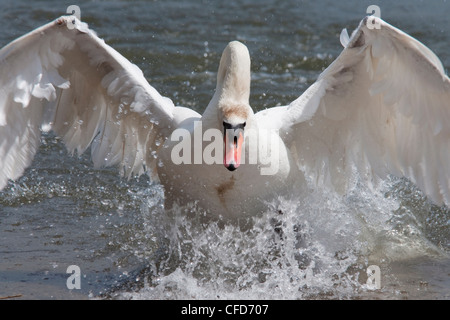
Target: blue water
x=64 y=212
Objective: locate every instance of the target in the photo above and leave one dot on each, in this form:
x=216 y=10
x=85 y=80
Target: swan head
x=233 y=92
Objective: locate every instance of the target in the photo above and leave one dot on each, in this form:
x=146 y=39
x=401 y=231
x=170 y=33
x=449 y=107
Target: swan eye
x=226 y=125
x=240 y=126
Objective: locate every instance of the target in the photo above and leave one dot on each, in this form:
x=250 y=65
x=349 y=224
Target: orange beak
x=233 y=140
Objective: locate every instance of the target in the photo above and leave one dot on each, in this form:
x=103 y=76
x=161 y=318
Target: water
x=64 y=212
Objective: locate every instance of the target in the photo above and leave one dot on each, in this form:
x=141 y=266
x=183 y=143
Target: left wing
x=382 y=107
x=62 y=77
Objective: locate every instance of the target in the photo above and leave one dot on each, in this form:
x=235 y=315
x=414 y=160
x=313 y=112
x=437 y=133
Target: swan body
x=382 y=107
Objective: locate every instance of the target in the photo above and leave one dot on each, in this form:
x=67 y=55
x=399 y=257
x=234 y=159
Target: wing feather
x=382 y=107
x=69 y=81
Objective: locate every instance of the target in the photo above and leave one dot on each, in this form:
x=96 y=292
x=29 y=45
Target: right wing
x=382 y=107
x=62 y=77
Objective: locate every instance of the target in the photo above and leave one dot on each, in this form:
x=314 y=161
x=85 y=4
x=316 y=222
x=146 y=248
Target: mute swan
x=382 y=107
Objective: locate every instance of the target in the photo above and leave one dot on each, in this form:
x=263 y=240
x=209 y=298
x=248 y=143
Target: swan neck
x=233 y=78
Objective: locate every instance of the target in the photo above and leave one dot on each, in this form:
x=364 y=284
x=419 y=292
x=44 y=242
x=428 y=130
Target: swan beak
x=233 y=140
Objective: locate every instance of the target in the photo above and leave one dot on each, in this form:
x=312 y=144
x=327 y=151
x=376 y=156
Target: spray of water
x=318 y=246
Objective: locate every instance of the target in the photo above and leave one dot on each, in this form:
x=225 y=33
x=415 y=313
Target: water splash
x=316 y=247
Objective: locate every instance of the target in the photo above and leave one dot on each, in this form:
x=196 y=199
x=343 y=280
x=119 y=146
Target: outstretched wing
x=382 y=107
x=62 y=77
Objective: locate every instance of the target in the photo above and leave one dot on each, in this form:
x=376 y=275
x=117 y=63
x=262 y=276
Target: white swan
x=382 y=107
